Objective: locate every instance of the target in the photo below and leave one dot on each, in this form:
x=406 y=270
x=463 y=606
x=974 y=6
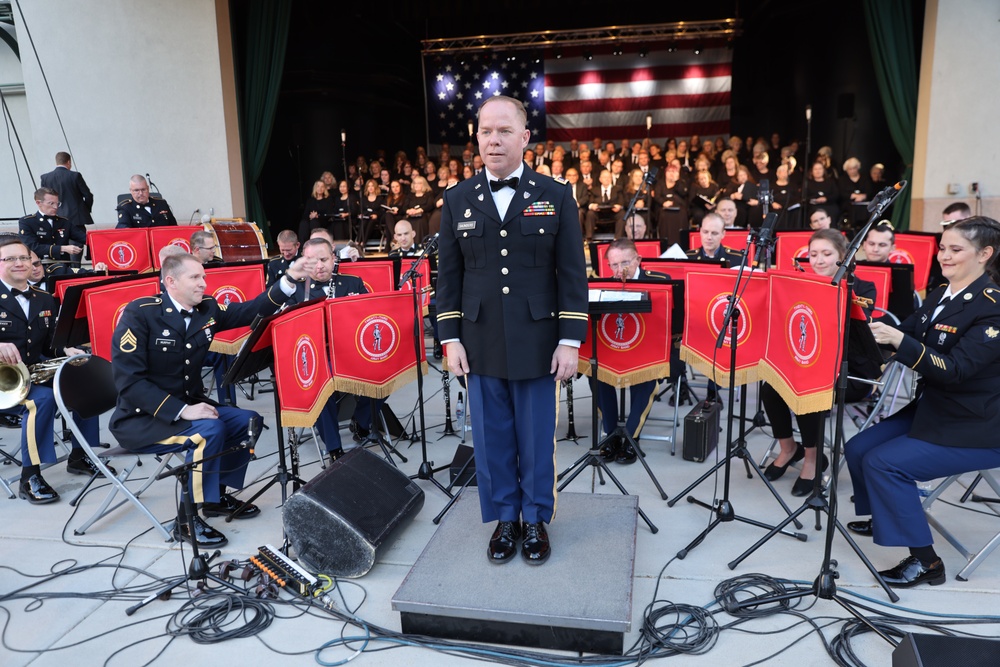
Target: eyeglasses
x=624 y=264
x=212 y=248
x=16 y=258
x=138 y=189
x=37 y=263
x=53 y=204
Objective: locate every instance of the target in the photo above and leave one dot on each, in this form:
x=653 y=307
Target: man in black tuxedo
x=580 y=192
x=512 y=311
x=77 y=200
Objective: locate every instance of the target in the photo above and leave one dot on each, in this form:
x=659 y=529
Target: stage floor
x=44 y=627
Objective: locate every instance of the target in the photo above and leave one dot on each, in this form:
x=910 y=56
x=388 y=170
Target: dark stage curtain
x=265 y=39
x=890 y=33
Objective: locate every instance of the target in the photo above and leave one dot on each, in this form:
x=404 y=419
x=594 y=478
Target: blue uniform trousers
x=886 y=463
x=206 y=438
x=38 y=413
x=328 y=423
x=513 y=433
x=640 y=402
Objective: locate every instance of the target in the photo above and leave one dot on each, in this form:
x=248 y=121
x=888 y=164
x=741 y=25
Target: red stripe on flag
x=659 y=73
x=666 y=130
x=642 y=103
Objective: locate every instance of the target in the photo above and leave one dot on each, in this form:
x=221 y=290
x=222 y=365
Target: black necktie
x=496 y=186
x=940 y=307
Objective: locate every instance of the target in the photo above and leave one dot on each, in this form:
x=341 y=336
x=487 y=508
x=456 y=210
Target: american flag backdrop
x=571 y=97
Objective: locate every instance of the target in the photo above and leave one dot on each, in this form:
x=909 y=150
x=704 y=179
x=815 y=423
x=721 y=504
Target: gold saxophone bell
x=16 y=379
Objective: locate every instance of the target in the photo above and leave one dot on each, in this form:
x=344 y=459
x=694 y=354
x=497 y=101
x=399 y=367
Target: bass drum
x=237 y=240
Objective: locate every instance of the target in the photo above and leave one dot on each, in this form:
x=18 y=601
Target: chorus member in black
x=953 y=342
x=316 y=212
x=827 y=247
x=821 y=191
x=143 y=209
x=512 y=311
x=371 y=210
x=343 y=209
x=419 y=205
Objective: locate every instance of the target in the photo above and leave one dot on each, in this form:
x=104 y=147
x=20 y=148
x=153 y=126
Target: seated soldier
x=141 y=209
x=712 y=232
x=49 y=235
x=288 y=247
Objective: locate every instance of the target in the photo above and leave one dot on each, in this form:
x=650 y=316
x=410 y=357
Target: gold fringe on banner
x=800 y=405
x=299 y=419
x=638 y=376
x=375 y=390
x=718 y=375
x=228 y=346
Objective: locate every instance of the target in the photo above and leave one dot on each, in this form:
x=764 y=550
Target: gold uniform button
x=503 y=253
x=185 y=377
x=504 y=270
x=503 y=233
x=465 y=233
x=541 y=230
x=506 y=290
x=164 y=349
x=186 y=361
x=188 y=346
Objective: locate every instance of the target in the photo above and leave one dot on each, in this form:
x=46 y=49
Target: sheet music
x=603 y=296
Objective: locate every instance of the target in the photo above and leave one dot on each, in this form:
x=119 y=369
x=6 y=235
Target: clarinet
x=332 y=285
x=449 y=428
x=571 y=430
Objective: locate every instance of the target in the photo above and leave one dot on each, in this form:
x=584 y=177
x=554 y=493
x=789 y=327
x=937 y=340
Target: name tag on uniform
x=467 y=225
x=167 y=342
x=540 y=208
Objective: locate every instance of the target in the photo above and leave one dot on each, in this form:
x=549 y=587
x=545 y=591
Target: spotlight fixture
x=617 y=51
x=672 y=48
x=558 y=55
x=698 y=49
x=643 y=52
x=587 y=55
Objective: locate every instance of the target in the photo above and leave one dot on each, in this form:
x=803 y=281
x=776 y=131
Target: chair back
x=88 y=388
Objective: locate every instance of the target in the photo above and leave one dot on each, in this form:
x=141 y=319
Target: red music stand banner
x=882 y=277
x=423 y=280
x=706 y=297
x=160 y=237
x=804 y=340
x=789 y=247
x=233 y=284
x=646 y=250
x=121 y=249
x=632 y=347
x=918 y=250
x=105 y=306
x=64 y=285
x=302 y=375
x=377 y=275
x=371 y=343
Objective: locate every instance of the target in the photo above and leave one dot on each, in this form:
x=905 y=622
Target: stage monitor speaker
x=920 y=650
x=341 y=520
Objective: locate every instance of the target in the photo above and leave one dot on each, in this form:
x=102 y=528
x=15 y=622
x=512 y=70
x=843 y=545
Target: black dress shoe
x=535 y=549
x=803 y=487
x=206 y=536
x=503 y=544
x=84 y=466
x=609 y=450
x=774 y=472
x=37 y=491
x=10 y=421
x=861 y=527
x=335 y=454
x=911 y=572
x=227 y=505
x=627 y=454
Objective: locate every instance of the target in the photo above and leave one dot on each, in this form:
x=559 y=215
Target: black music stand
x=73 y=331
x=593 y=456
x=256 y=355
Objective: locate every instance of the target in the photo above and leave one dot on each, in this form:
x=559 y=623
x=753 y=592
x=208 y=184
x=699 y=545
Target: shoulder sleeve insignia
x=128 y=342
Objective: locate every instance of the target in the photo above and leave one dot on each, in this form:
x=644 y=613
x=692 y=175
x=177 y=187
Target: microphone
x=650 y=177
x=809 y=112
x=251 y=440
x=764 y=194
x=888 y=193
x=343 y=137
x=767 y=230
x=649 y=121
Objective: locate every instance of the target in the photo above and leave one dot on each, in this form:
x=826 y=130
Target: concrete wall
x=956 y=140
x=141 y=86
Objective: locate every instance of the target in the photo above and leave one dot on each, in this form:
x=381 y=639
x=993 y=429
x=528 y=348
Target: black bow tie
x=17 y=292
x=495 y=186
x=187 y=314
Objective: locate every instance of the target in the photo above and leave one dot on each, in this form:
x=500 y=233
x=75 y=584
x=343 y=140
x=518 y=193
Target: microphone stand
x=723 y=509
x=803 y=202
x=427 y=469
x=648 y=181
x=825 y=584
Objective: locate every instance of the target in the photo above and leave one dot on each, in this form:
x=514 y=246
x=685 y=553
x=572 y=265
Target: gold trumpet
x=16 y=379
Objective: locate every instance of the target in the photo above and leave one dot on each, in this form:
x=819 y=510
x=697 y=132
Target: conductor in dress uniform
x=512 y=311
x=158 y=350
x=142 y=210
x=953 y=342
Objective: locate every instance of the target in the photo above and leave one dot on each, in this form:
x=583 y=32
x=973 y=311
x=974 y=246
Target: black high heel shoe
x=803 y=487
x=774 y=472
